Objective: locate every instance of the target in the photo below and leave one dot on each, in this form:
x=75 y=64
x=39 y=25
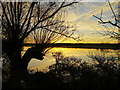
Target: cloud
x=87 y=24
x=88 y=10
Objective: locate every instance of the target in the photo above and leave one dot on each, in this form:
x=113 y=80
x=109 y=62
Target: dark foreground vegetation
x=74 y=73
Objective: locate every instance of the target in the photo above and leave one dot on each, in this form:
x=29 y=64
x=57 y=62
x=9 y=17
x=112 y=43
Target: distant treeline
x=81 y=45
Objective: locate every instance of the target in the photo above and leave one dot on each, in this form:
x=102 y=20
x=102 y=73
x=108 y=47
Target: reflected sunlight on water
x=67 y=52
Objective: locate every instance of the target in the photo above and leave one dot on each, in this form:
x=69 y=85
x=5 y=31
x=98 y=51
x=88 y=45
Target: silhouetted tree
x=19 y=19
x=76 y=74
x=105 y=63
x=53 y=29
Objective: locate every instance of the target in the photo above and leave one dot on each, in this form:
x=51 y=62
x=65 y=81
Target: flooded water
x=42 y=65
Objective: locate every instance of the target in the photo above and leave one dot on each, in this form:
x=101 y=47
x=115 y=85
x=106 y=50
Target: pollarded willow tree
x=53 y=29
x=21 y=19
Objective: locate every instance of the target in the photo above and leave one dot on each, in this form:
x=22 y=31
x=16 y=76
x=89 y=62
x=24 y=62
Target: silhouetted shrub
x=73 y=73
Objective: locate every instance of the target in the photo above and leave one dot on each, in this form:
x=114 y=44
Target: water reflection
x=68 y=52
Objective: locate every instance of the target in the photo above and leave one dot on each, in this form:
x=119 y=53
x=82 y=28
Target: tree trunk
x=15 y=62
x=19 y=64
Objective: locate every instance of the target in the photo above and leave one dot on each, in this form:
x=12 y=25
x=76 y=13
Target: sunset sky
x=81 y=15
x=41 y=39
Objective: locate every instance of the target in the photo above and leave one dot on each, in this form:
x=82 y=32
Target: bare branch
x=27 y=16
x=101 y=13
x=29 y=19
x=113 y=12
x=105 y=22
x=46 y=11
x=112 y=25
x=68 y=36
x=50 y=16
x=109 y=22
x=6 y=16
